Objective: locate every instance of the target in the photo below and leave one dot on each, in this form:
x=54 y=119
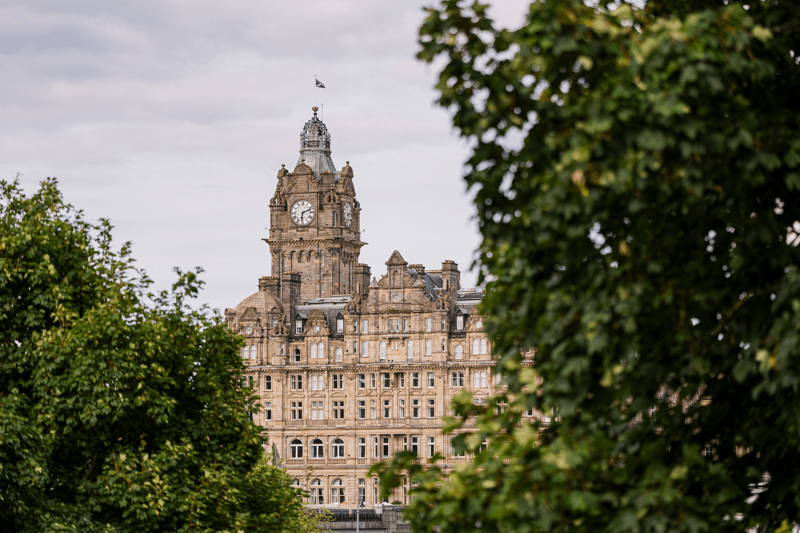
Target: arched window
x=297 y=355
x=337 y=491
x=296 y=483
x=475 y=346
x=296 y=449
x=338 y=355
x=459 y=352
x=317 y=449
x=337 y=449
x=253 y=351
x=317 y=497
x=313 y=351
x=483 y=345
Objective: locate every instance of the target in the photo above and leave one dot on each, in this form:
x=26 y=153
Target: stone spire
x=315 y=146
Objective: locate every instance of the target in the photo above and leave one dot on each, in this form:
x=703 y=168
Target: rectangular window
x=444 y=324
x=362 y=409
x=267 y=410
x=410 y=350
x=428 y=346
x=479 y=379
x=483 y=346
x=296 y=382
x=313 y=382
x=338 y=410
x=283 y=349
x=296 y=410
x=414 y=408
x=372 y=410
x=475 y=346
x=458 y=379
x=427 y=324
x=298 y=327
x=405 y=443
x=415 y=444
x=355 y=327
x=387 y=380
x=459 y=322
x=340 y=325
x=431 y=447
x=383 y=351
x=454 y=452
x=362 y=491
x=375 y=442
x=267 y=382
x=400 y=379
x=338 y=381
x=362 y=381
x=362 y=447
x=402 y=410
x=372 y=380
x=443 y=347
x=431 y=380
x=497 y=379
x=387 y=408
x=355 y=346
x=405 y=324
x=431 y=408
x=364 y=326
x=364 y=348
x=386 y=446
x=316 y=410
x=415 y=380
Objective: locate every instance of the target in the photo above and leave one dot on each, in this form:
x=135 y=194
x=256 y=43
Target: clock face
x=478 y=324
x=396 y=298
x=348 y=214
x=302 y=212
x=316 y=329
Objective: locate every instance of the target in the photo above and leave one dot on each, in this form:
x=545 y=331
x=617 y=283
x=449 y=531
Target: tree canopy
x=635 y=172
x=120 y=410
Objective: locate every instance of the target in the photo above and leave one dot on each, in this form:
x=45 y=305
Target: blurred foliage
x=635 y=170
x=120 y=410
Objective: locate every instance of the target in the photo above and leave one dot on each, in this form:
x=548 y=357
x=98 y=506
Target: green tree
x=120 y=410
x=635 y=170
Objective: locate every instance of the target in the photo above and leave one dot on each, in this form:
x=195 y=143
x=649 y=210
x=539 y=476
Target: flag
x=319 y=83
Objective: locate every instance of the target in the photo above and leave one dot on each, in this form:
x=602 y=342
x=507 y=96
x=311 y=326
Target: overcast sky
x=171 y=118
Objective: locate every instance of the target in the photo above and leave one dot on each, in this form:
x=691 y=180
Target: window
x=298 y=327
x=316 y=410
x=476 y=346
x=387 y=408
x=320 y=351
x=431 y=380
x=431 y=408
x=317 y=449
x=372 y=380
x=428 y=347
x=459 y=322
x=296 y=382
x=283 y=349
x=483 y=346
x=405 y=324
x=337 y=449
x=415 y=380
x=372 y=409
x=375 y=442
x=267 y=382
x=338 y=355
x=253 y=351
x=431 y=446
x=383 y=351
x=458 y=379
x=316 y=492
x=443 y=346
x=444 y=324
x=355 y=346
x=334 y=225
x=364 y=326
x=410 y=350
x=387 y=380
x=244 y=352
x=386 y=446
x=274 y=322
x=529 y=411
x=415 y=408
x=427 y=324
x=338 y=381
x=394 y=324
x=362 y=447
x=402 y=413
x=400 y=379
x=314 y=383
x=454 y=451
x=297 y=355
x=296 y=449
x=296 y=410
x=415 y=444
x=459 y=352
x=312 y=351
x=478 y=379
x=362 y=409
x=267 y=410
x=362 y=381
x=338 y=410
x=362 y=494
x=337 y=487
x=340 y=325
x=355 y=327
x=405 y=443
x=497 y=379
x=364 y=348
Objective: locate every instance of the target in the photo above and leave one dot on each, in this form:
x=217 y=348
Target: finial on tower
x=315 y=109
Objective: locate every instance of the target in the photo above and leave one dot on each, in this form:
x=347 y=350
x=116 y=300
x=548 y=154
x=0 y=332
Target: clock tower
x=315 y=227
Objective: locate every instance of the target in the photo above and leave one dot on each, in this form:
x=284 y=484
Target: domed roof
x=263 y=302
x=302 y=168
x=315 y=147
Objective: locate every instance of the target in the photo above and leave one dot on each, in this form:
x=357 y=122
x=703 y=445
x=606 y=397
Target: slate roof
x=431 y=281
x=330 y=306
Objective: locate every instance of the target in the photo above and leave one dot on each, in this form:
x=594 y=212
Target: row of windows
x=316 y=493
x=381 y=447
x=338 y=409
x=317 y=350
x=337 y=380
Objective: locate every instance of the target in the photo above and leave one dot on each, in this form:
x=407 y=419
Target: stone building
x=352 y=368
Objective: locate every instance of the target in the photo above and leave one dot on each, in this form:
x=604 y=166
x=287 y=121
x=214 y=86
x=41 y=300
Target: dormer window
x=459 y=322
x=340 y=325
x=298 y=327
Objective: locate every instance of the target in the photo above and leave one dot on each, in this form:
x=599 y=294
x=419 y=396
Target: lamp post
x=360 y=504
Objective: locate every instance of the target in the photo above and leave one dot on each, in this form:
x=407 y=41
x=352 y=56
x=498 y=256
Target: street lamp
x=360 y=504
